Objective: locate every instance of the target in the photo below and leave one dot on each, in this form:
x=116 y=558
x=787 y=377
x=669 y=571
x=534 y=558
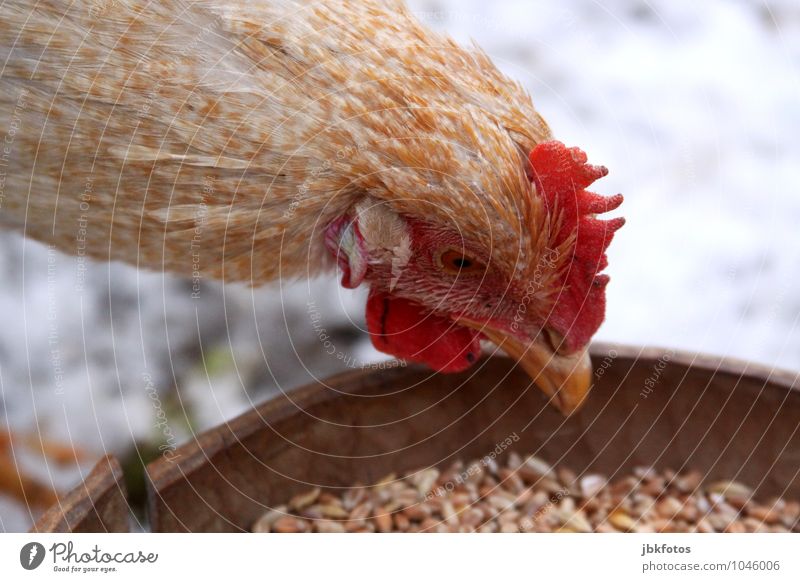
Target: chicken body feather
x=226 y=134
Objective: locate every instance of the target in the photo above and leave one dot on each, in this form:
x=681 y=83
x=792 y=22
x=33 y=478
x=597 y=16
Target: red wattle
x=405 y=330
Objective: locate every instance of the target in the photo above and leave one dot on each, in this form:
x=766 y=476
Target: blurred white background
x=694 y=107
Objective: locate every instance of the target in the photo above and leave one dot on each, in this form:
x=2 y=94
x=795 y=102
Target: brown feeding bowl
x=727 y=419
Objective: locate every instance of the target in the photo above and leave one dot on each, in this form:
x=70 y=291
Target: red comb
x=561 y=175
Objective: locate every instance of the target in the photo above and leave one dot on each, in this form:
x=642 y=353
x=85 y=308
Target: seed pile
x=528 y=495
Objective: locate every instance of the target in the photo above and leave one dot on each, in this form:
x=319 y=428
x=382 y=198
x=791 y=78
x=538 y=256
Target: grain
x=527 y=494
x=622 y=521
x=383 y=520
x=303 y=500
x=289 y=524
x=591 y=485
x=334 y=511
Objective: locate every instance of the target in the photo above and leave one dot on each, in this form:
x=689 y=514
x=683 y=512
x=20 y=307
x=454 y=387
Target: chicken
x=250 y=141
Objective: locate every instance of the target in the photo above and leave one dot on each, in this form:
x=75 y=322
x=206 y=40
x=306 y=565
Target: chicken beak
x=566 y=379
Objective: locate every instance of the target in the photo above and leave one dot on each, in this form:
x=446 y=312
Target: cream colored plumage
x=223 y=135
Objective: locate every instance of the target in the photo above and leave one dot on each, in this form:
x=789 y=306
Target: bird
x=251 y=141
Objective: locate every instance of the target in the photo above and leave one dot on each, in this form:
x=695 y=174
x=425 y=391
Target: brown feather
x=227 y=134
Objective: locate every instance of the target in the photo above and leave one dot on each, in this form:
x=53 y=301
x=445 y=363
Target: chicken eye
x=455 y=262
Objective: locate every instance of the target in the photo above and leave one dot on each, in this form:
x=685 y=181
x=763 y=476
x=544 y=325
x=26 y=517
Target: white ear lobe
x=386 y=236
x=376 y=233
x=381 y=227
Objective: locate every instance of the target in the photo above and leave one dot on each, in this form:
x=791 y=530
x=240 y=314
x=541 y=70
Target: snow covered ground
x=695 y=108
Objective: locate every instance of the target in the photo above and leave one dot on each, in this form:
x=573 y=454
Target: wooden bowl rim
x=197 y=452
